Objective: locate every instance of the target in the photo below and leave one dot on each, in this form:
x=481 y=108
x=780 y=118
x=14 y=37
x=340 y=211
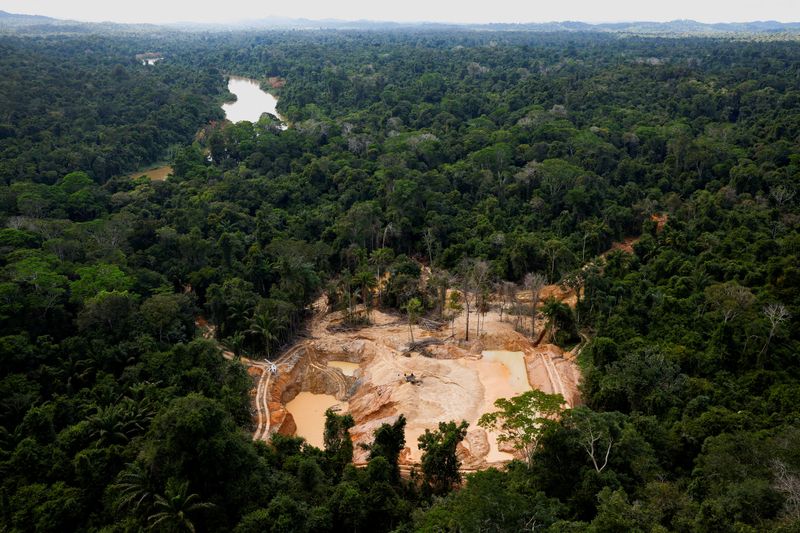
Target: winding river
x=251 y=102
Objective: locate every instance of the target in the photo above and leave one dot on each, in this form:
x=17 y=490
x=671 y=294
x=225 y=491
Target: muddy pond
x=450 y=390
x=308 y=410
x=346 y=367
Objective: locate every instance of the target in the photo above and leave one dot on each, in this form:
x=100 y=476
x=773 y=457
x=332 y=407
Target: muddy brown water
x=503 y=374
x=347 y=368
x=308 y=410
x=508 y=372
x=515 y=364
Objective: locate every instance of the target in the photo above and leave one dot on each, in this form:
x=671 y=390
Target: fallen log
x=431 y=325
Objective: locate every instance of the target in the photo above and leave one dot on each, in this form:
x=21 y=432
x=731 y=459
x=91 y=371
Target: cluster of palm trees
x=264 y=331
x=176 y=509
x=120 y=421
x=359 y=283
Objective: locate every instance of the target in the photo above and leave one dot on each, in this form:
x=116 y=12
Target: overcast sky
x=156 y=11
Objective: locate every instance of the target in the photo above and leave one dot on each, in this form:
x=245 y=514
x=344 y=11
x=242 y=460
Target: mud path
x=264 y=369
x=263 y=389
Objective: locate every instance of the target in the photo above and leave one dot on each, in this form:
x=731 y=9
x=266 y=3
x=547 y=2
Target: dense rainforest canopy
x=530 y=152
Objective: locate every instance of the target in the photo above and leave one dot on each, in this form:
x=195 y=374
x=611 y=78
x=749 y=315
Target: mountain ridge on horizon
x=683 y=26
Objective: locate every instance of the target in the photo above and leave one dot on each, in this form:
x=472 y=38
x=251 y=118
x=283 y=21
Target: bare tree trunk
x=466 y=308
x=534 y=283
x=477 y=315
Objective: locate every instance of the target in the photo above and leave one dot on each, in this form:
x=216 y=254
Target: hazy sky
x=156 y=11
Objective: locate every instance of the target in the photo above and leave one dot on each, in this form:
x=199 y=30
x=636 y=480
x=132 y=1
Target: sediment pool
x=308 y=410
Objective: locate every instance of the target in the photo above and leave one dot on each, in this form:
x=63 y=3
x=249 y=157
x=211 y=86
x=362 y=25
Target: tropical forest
x=452 y=280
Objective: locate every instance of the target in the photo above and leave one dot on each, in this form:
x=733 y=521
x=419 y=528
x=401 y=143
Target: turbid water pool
x=347 y=368
x=308 y=410
x=515 y=364
x=154 y=173
x=504 y=375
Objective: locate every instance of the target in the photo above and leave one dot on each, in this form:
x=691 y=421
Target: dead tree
x=534 y=283
x=777 y=314
x=480 y=278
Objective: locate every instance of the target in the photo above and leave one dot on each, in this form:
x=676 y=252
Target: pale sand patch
x=154 y=174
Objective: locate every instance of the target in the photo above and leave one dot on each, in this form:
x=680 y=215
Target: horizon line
x=241 y=21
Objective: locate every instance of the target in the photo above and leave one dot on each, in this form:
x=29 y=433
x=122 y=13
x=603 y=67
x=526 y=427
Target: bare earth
x=155 y=173
x=454 y=380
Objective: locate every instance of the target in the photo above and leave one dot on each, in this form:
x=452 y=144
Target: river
x=251 y=102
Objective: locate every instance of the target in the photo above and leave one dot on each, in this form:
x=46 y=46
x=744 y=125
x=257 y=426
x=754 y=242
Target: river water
x=250 y=102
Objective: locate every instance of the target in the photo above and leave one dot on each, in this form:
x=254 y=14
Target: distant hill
x=681 y=27
x=17 y=22
x=13 y=19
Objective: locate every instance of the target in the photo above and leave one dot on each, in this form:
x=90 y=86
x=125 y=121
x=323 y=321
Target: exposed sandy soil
x=276 y=82
x=454 y=380
x=660 y=219
x=155 y=173
x=625 y=245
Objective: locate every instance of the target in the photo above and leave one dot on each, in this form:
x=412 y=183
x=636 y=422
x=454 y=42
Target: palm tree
x=346 y=286
x=381 y=259
x=234 y=343
x=553 y=310
x=414 y=309
x=76 y=371
x=133 y=489
x=175 y=507
x=120 y=422
x=264 y=327
x=234 y=314
x=367 y=282
x=108 y=425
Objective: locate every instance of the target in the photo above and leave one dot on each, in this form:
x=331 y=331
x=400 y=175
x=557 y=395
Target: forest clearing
x=453 y=379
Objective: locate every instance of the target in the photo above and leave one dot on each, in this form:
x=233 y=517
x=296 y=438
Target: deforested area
x=446 y=278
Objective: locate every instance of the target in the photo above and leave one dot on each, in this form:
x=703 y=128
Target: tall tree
x=336 y=437
x=440 y=465
x=177 y=510
x=413 y=310
x=388 y=441
x=522 y=420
